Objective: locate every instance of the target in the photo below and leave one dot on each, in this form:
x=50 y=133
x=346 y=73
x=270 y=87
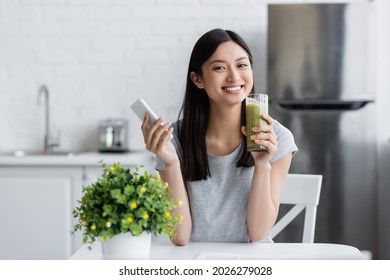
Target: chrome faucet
x=49 y=141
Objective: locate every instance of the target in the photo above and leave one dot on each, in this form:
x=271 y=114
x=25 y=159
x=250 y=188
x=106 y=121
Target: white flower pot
x=125 y=246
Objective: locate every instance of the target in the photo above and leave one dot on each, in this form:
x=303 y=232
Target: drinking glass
x=256 y=106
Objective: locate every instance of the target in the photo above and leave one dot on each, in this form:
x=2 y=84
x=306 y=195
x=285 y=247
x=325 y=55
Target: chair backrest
x=302 y=190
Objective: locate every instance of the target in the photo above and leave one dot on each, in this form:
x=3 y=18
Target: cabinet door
x=36 y=211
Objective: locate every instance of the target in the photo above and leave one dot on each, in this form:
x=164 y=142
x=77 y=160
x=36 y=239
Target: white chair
x=303 y=190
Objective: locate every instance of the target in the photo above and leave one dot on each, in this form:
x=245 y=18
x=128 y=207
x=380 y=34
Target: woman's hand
x=156 y=139
x=265 y=136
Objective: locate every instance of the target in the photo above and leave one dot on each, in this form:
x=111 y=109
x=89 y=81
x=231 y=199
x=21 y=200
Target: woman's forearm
x=264 y=198
x=261 y=210
x=172 y=175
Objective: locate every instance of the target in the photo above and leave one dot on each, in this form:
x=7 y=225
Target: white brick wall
x=97 y=56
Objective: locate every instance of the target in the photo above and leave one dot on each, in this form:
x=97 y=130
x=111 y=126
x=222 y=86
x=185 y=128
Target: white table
x=162 y=249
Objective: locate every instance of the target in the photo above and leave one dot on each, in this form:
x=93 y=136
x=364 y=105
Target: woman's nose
x=233 y=75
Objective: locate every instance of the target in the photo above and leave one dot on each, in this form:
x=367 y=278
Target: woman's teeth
x=233 y=88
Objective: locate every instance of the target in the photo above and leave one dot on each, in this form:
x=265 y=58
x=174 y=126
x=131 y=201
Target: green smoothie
x=253 y=119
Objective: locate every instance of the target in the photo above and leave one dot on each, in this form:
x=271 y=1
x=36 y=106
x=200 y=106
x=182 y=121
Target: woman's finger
x=157 y=135
x=267 y=118
x=144 y=124
x=165 y=136
x=266 y=127
x=151 y=130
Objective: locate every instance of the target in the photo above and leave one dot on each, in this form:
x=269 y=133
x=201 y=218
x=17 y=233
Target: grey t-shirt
x=218 y=204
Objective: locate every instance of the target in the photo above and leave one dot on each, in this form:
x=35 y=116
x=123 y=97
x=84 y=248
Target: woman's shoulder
x=177 y=123
x=281 y=130
x=286 y=142
x=176 y=127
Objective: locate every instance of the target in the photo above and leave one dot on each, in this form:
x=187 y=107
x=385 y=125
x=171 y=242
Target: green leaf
x=129 y=189
x=135 y=229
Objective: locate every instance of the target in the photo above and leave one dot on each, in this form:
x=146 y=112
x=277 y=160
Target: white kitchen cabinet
x=36 y=211
x=37 y=198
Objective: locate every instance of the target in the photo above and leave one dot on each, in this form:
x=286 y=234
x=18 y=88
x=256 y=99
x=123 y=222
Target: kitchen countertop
x=89 y=158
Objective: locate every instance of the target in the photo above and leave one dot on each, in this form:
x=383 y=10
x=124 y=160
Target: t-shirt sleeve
x=286 y=143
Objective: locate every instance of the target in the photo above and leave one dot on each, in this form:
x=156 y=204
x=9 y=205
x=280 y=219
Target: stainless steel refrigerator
x=320 y=77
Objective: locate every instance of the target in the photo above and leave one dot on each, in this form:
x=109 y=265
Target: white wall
x=98 y=56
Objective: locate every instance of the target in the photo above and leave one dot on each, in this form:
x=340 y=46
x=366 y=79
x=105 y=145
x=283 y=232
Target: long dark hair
x=195 y=109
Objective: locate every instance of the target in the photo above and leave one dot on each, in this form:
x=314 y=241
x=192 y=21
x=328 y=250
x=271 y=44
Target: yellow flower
x=178 y=202
x=102 y=238
x=146 y=215
x=166 y=184
x=166 y=214
x=93 y=227
x=84 y=223
x=108 y=224
x=133 y=205
x=111 y=169
x=143 y=189
x=157 y=177
x=180 y=218
x=129 y=219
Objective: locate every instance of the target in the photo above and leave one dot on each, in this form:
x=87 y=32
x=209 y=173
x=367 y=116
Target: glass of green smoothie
x=256 y=106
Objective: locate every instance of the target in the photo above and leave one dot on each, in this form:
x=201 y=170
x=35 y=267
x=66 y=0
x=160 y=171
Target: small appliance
x=113 y=135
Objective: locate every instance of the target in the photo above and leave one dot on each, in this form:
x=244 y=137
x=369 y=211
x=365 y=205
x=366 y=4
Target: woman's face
x=227 y=75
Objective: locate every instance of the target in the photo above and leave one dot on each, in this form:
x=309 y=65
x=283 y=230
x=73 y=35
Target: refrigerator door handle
x=320 y=104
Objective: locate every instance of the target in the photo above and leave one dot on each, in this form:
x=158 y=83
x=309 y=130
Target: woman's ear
x=196 y=80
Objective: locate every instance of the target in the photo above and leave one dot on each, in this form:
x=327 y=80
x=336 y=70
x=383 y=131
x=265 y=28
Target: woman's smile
x=232 y=89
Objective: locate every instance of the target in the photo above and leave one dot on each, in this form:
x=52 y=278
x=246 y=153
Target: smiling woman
x=227 y=72
x=228 y=194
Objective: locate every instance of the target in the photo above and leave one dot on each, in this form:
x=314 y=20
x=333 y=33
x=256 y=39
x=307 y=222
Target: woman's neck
x=224 y=130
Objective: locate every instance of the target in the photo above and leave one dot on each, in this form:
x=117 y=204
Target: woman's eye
x=219 y=68
x=242 y=65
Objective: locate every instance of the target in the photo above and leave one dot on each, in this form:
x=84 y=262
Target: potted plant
x=123 y=204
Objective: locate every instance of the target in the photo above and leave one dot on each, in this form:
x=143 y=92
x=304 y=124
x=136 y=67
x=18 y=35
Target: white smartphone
x=140 y=107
